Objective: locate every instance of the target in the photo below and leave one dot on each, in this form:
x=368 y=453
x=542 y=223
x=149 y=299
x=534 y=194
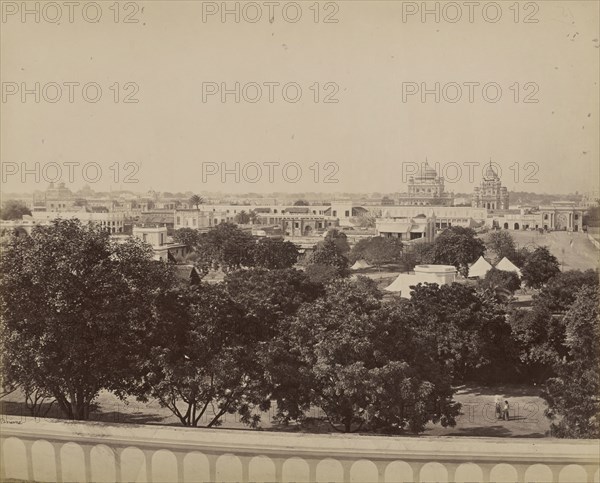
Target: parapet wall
x=54 y=450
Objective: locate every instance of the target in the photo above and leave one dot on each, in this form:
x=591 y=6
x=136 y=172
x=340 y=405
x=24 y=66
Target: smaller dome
x=426 y=171
x=490 y=173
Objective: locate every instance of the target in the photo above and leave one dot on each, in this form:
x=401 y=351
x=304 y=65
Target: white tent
x=480 y=268
x=508 y=266
x=359 y=265
x=402 y=284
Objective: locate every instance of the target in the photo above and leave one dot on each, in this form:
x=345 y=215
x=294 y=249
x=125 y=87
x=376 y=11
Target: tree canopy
x=572 y=395
x=503 y=283
x=274 y=253
x=560 y=291
x=501 y=244
x=363 y=363
x=458 y=246
x=539 y=267
x=378 y=251
x=76 y=309
x=14 y=210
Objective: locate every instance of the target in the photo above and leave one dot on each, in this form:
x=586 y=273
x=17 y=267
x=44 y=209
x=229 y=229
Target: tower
x=490 y=194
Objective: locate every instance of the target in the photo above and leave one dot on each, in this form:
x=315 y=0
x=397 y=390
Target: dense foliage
x=574 y=393
x=378 y=251
x=365 y=364
x=14 y=210
x=539 y=267
x=83 y=314
x=75 y=306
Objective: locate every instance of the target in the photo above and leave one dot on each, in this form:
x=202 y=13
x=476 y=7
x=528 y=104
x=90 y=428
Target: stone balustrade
x=55 y=450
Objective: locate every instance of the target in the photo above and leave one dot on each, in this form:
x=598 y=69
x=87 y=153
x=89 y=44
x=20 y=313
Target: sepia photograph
x=300 y=241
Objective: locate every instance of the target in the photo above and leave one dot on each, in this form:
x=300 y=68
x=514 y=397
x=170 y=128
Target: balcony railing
x=53 y=450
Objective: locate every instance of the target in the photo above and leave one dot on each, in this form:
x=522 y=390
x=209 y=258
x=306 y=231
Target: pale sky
x=370 y=135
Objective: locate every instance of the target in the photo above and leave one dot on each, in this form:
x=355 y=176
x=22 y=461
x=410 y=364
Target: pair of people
x=502 y=410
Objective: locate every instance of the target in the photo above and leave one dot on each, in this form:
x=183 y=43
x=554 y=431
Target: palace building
x=491 y=194
x=426 y=188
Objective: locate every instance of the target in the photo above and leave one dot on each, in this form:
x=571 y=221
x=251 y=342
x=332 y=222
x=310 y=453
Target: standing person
x=498 y=408
x=505 y=411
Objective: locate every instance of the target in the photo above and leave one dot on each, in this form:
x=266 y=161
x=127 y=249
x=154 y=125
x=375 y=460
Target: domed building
x=55 y=198
x=490 y=194
x=426 y=188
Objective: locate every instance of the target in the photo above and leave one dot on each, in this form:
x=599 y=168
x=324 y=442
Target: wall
x=52 y=450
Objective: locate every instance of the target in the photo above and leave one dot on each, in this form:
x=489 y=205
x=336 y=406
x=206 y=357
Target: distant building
x=200 y=218
x=426 y=188
x=163 y=249
x=445 y=216
x=562 y=215
x=56 y=198
x=298 y=224
x=490 y=194
x=407 y=229
x=111 y=222
x=590 y=199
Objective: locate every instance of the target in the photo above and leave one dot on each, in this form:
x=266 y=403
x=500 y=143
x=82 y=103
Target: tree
x=358 y=250
x=540 y=267
x=321 y=274
x=458 y=246
x=242 y=218
x=469 y=328
x=501 y=243
x=503 y=283
x=538 y=339
x=203 y=356
x=188 y=236
x=253 y=216
x=559 y=292
x=76 y=308
x=275 y=253
x=362 y=363
x=225 y=246
x=14 y=210
x=267 y=296
x=423 y=253
x=573 y=394
x=196 y=200
x=592 y=216
x=382 y=251
x=378 y=251
x=340 y=239
x=301 y=203
x=328 y=253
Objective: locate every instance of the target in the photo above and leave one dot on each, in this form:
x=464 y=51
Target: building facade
x=298 y=224
x=426 y=188
x=111 y=222
x=445 y=216
x=490 y=194
x=56 y=198
x=201 y=218
x=562 y=216
x=164 y=250
x=407 y=229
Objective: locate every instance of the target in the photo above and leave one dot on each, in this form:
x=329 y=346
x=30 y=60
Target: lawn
x=527 y=418
x=581 y=255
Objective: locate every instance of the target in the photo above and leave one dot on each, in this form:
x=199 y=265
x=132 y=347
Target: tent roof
x=508 y=266
x=402 y=284
x=480 y=268
x=360 y=264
